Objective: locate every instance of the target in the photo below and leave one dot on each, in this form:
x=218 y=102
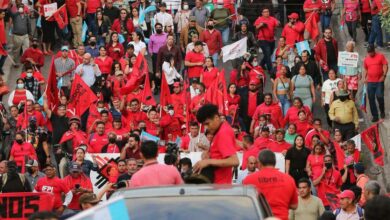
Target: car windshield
x=192 y=207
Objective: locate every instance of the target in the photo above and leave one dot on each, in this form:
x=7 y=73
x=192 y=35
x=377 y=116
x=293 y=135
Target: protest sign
x=348 y=59
x=49 y=9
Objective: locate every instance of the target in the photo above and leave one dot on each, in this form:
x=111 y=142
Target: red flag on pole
x=147 y=97
x=311 y=26
x=216 y=94
x=140 y=68
x=165 y=96
x=187 y=103
x=60 y=16
x=81 y=96
x=372 y=140
x=51 y=89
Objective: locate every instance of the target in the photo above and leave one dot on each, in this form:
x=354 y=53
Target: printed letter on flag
x=234 y=50
x=81 y=96
x=373 y=142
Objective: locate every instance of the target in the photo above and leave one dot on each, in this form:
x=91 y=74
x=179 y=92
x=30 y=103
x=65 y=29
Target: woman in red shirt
x=209 y=73
x=303 y=126
x=240 y=77
x=123 y=25
x=21 y=150
x=233 y=98
x=315 y=161
x=20 y=94
x=292 y=113
x=114 y=48
x=103 y=61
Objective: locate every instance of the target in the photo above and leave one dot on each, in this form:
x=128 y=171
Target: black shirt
x=60 y=126
x=330 y=53
x=297 y=158
x=124 y=176
x=112 y=13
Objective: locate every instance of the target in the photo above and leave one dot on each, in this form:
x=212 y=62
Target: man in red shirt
x=33 y=55
x=171 y=124
x=268 y=107
x=326 y=53
x=75 y=20
x=328 y=184
x=374 y=74
x=194 y=61
x=78 y=183
x=98 y=139
x=222 y=153
x=279 y=145
x=178 y=99
x=153 y=173
x=213 y=38
x=266 y=25
x=293 y=30
x=249 y=101
x=277 y=187
x=317 y=130
x=54 y=185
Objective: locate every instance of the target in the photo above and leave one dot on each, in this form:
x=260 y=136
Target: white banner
x=234 y=50
x=348 y=59
x=49 y=9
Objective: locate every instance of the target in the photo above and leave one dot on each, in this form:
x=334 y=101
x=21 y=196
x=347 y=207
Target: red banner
x=51 y=89
x=312 y=26
x=81 y=96
x=21 y=205
x=373 y=142
x=61 y=17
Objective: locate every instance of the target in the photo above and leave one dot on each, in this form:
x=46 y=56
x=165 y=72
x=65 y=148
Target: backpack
x=359 y=211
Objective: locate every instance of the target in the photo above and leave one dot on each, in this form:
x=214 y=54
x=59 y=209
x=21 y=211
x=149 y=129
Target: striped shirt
x=62 y=66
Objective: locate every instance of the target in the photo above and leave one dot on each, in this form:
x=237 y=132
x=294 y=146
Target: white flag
x=234 y=50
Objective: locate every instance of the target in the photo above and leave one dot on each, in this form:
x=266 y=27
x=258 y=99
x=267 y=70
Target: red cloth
x=273 y=109
x=374 y=66
x=23 y=121
x=114 y=54
x=252 y=103
x=147 y=96
x=303 y=127
x=140 y=69
x=171 y=126
x=19 y=95
x=209 y=76
x=185 y=142
x=239 y=81
x=71 y=6
x=71 y=182
x=371 y=138
x=52 y=90
x=293 y=34
x=292 y=115
x=96 y=142
x=152 y=128
x=321 y=51
x=213 y=40
x=366 y=8
x=266 y=32
x=276 y=147
x=278 y=189
x=313 y=132
x=260 y=144
x=194 y=71
x=312 y=25
x=135 y=95
x=81 y=96
x=316 y=163
x=178 y=102
x=35 y=54
x=78 y=137
x=222 y=147
x=104 y=65
x=20 y=151
x=165 y=96
x=309 y=4
x=116 y=26
x=133 y=118
x=92 y=5
x=217 y=93
x=61 y=17
x=55 y=186
x=329 y=187
x=36 y=74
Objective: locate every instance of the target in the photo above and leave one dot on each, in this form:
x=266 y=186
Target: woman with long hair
x=315 y=161
x=209 y=73
x=123 y=25
x=240 y=77
x=115 y=49
x=103 y=61
x=281 y=89
x=101 y=28
x=233 y=98
x=139 y=45
x=292 y=113
x=296 y=158
x=302 y=85
x=135 y=17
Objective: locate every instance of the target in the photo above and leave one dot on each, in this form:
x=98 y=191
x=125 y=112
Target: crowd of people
x=155 y=69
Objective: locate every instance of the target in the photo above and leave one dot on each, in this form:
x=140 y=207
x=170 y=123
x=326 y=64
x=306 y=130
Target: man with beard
x=33 y=174
x=268 y=107
x=131 y=149
x=13 y=181
x=327 y=52
x=251 y=168
x=344 y=115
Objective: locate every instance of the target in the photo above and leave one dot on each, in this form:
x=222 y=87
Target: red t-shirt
x=3 y=38
x=178 y=101
x=316 y=163
x=97 y=142
x=71 y=6
x=366 y=8
x=156 y=175
x=266 y=32
x=309 y=4
x=22 y=121
x=56 y=186
x=92 y=5
x=194 y=71
x=303 y=127
x=276 y=147
x=19 y=152
x=374 y=66
x=222 y=147
x=274 y=110
x=292 y=114
x=278 y=188
x=104 y=65
x=252 y=103
x=313 y=132
x=260 y=144
x=209 y=76
x=213 y=40
x=71 y=182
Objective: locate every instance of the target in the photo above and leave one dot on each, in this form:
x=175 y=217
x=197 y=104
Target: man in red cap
x=293 y=31
x=348 y=209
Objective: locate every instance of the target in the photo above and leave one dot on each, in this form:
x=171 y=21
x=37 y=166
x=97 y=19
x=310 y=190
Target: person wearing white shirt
x=190 y=46
x=139 y=45
x=88 y=70
x=171 y=74
x=251 y=168
x=328 y=87
x=163 y=17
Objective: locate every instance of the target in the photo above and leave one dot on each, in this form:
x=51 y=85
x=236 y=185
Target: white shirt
x=328 y=87
x=170 y=73
x=29 y=95
x=88 y=73
x=138 y=47
x=164 y=19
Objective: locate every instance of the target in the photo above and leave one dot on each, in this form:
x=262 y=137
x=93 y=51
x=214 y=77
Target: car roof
x=188 y=190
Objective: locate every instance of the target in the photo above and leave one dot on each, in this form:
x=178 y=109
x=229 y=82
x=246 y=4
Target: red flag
x=60 y=16
x=216 y=94
x=340 y=155
x=140 y=68
x=311 y=26
x=372 y=140
x=51 y=89
x=187 y=103
x=81 y=96
x=147 y=97
x=165 y=96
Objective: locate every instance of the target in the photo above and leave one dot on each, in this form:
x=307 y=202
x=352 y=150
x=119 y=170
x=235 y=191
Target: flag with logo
x=81 y=96
x=372 y=140
x=311 y=26
x=140 y=69
x=61 y=17
x=234 y=50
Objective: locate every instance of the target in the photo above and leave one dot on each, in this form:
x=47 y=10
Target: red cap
x=293 y=15
x=176 y=84
x=346 y=194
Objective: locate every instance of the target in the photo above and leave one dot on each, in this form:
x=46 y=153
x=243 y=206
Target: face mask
x=197 y=91
x=21 y=10
x=171 y=112
x=210 y=27
x=93 y=43
x=29 y=75
x=100 y=109
x=112 y=140
x=159 y=31
x=328 y=165
x=20 y=85
x=343 y=98
x=219 y=6
x=142 y=128
x=350 y=166
x=30 y=170
x=185 y=7
x=255 y=63
x=35 y=46
x=19 y=141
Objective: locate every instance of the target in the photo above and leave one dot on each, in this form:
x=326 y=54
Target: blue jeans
x=325 y=21
x=376 y=90
x=268 y=48
x=283 y=99
x=225 y=35
x=215 y=59
x=376 y=31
